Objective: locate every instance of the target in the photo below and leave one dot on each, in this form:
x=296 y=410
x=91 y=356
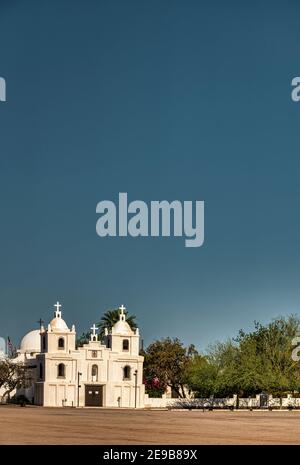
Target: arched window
x=61 y=371
x=41 y=374
x=61 y=343
x=125 y=344
x=95 y=373
x=126 y=372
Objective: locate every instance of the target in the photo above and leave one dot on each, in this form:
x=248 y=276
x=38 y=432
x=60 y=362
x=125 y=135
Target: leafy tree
x=201 y=377
x=167 y=361
x=267 y=356
x=192 y=351
x=13 y=376
x=251 y=363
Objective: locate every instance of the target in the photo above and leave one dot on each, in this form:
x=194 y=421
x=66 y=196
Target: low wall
x=244 y=403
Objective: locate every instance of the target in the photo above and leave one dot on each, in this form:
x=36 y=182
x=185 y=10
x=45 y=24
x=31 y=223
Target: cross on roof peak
x=57 y=311
x=93 y=328
x=122 y=314
x=122 y=308
x=40 y=321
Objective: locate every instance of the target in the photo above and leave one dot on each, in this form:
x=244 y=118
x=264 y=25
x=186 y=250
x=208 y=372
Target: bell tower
x=58 y=338
x=122 y=338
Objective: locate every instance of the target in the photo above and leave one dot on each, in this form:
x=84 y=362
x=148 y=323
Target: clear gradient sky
x=162 y=99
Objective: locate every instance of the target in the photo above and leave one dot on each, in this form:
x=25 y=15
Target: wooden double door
x=93 y=395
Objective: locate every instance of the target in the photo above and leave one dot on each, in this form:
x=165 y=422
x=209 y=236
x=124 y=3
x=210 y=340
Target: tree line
x=248 y=364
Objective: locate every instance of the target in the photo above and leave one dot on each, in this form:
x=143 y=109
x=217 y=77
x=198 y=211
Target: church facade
x=107 y=373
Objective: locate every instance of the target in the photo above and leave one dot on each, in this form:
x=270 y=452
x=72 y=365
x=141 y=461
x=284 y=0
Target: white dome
x=2 y=346
x=31 y=342
x=58 y=324
x=122 y=327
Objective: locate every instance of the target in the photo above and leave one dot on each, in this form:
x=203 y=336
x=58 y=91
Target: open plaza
x=42 y=425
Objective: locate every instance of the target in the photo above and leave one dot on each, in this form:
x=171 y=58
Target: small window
x=94 y=353
x=94 y=373
x=108 y=343
x=41 y=374
x=44 y=342
x=125 y=345
x=126 y=372
x=61 y=343
x=61 y=371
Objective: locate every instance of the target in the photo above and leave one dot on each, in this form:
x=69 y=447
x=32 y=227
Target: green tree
x=201 y=376
x=252 y=362
x=266 y=353
x=167 y=361
x=13 y=376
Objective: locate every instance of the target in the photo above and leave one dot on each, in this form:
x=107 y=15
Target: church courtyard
x=40 y=425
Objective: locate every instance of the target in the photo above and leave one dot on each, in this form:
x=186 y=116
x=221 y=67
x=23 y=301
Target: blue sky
x=186 y=100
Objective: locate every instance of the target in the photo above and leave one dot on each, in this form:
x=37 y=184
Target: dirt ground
x=37 y=425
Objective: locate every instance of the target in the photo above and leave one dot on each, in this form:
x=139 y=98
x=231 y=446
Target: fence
x=260 y=401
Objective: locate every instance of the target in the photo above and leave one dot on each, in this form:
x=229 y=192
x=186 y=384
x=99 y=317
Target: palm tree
x=111 y=317
x=83 y=339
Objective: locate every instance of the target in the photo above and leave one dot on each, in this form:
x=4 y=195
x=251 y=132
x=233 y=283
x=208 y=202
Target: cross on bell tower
x=94 y=335
x=122 y=314
x=57 y=312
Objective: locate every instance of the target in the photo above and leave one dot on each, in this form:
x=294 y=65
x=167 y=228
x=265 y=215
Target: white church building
x=107 y=373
